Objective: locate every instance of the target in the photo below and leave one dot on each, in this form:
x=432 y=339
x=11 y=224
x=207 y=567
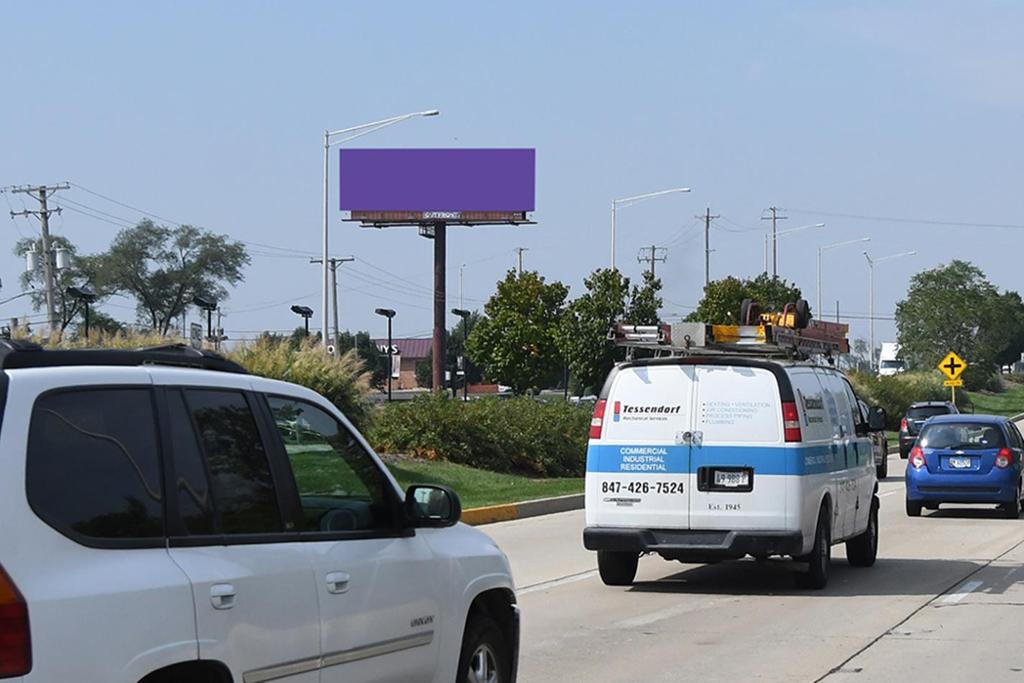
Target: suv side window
x=191 y=482
x=243 y=488
x=340 y=486
x=93 y=467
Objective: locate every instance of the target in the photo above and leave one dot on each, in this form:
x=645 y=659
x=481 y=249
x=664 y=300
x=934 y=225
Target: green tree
x=81 y=272
x=515 y=344
x=722 y=298
x=163 y=268
x=954 y=308
x=644 y=301
x=583 y=334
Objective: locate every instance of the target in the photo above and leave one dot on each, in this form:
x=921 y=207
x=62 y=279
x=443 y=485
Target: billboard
x=436 y=182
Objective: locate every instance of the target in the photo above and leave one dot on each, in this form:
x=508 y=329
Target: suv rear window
x=93 y=466
x=962 y=436
x=927 y=411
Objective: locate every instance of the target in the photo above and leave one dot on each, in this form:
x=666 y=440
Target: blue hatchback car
x=966 y=459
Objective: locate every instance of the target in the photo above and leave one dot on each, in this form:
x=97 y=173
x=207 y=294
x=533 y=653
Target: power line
x=921 y=221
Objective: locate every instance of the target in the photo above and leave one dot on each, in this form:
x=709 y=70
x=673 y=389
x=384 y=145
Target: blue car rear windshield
x=962 y=436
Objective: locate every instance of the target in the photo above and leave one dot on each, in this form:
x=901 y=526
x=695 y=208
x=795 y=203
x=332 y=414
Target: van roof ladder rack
x=818 y=338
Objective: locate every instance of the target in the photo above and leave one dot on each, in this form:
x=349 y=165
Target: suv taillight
x=903 y=425
x=916 y=457
x=791 y=422
x=15 y=641
x=1004 y=458
x=597 y=422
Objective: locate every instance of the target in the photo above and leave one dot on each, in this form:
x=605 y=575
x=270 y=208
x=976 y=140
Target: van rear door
x=638 y=469
x=739 y=456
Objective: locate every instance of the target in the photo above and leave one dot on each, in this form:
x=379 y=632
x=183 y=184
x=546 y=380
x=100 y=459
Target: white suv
x=168 y=518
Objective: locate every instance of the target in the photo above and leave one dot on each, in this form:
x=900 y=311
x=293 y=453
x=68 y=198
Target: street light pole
x=775 y=238
x=871 y=298
x=818 y=310
x=629 y=201
x=348 y=134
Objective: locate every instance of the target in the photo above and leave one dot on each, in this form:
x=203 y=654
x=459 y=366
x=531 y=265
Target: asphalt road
x=942 y=603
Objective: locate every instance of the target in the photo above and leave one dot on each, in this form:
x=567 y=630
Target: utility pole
x=519 y=253
x=655 y=254
x=40 y=194
x=707 y=244
x=775 y=252
x=333 y=263
x=462 y=267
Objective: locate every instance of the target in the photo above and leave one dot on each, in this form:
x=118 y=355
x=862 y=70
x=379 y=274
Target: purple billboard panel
x=435 y=180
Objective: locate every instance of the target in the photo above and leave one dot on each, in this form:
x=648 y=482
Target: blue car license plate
x=960 y=463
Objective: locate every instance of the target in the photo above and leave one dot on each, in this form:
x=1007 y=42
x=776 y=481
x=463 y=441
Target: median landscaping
x=477 y=487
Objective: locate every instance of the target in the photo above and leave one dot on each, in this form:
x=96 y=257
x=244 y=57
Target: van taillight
x=1004 y=458
x=15 y=642
x=597 y=421
x=791 y=422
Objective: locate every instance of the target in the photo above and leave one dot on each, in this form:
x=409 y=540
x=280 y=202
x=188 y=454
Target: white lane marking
x=662 y=614
x=545 y=585
x=889 y=493
x=961 y=593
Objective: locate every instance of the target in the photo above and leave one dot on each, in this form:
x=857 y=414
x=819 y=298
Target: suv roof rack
x=25 y=354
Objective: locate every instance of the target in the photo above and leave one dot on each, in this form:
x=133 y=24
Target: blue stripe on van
x=648 y=459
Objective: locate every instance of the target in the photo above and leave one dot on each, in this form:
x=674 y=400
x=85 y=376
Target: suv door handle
x=337 y=582
x=222 y=595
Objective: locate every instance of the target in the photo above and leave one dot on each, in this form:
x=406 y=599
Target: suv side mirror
x=432 y=506
x=877 y=419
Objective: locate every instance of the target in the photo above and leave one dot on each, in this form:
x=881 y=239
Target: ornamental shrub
x=517 y=435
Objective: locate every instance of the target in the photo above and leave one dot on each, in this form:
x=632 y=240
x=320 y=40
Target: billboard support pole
x=439 y=308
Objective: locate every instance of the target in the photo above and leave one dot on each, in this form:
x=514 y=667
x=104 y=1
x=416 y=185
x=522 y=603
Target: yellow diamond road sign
x=952 y=366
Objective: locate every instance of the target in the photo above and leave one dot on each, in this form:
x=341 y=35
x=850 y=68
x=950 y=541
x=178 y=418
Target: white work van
x=700 y=458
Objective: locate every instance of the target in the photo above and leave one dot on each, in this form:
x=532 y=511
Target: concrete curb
x=527 y=508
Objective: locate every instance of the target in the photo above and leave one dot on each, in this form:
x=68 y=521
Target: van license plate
x=960 y=463
x=732 y=479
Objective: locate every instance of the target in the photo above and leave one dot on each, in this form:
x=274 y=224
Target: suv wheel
x=617 y=568
x=862 y=550
x=820 y=558
x=485 y=657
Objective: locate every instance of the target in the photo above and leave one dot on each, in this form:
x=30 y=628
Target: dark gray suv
x=917 y=414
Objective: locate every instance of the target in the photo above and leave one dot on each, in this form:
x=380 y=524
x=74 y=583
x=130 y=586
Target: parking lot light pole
x=337 y=137
x=208 y=305
x=86 y=296
x=389 y=314
x=306 y=312
x=871 y=297
x=817 y=310
x=629 y=201
x=464 y=314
